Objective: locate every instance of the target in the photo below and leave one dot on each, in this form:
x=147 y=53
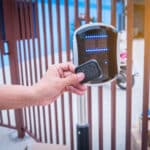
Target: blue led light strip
x=95 y=50
x=96 y=36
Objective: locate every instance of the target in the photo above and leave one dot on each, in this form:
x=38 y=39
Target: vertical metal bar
x=27 y=29
x=33 y=37
x=40 y=63
x=100 y=89
x=146 y=82
x=87 y=11
x=25 y=36
x=63 y=119
x=11 y=36
x=28 y=32
x=1 y=39
x=1 y=53
x=60 y=60
x=38 y=36
x=21 y=65
x=1 y=118
x=75 y=26
x=34 y=55
x=67 y=30
x=8 y=116
x=100 y=119
x=113 y=12
x=71 y=121
x=68 y=59
x=4 y=80
x=45 y=39
x=99 y=10
x=56 y=118
x=46 y=61
x=22 y=19
x=89 y=97
x=44 y=122
x=113 y=87
x=31 y=33
x=3 y=69
x=129 y=73
x=50 y=124
x=51 y=31
x=113 y=115
x=59 y=30
x=20 y=51
x=19 y=45
x=76 y=14
x=52 y=59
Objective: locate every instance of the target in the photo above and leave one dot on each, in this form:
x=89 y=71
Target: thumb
x=74 y=79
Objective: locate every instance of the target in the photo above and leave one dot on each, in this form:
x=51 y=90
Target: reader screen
x=95 y=42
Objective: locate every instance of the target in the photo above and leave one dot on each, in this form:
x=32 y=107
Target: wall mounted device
x=97 y=41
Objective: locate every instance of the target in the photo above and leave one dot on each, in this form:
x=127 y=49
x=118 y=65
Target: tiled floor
x=9 y=140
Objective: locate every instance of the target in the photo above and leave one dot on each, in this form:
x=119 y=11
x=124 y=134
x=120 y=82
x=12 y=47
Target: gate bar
x=44 y=32
x=34 y=54
x=89 y=93
x=60 y=59
x=46 y=64
x=52 y=58
x=100 y=89
x=25 y=36
x=69 y=59
x=19 y=44
x=76 y=14
x=28 y=36
x=1 y=118
x=76 y=17
x=20 y=53
x=4 y=79
x=38 y=36
x=129 y=73
x=22 y=21
x=113 y=86
x=33 y=35
x=99 y=10
x=67 y=30
x=146 y=82
x=40 y=64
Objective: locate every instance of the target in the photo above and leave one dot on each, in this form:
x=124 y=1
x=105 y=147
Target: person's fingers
x=66 y=66
x=75 y=90
x=74 y=79
x=80 y=86
x=67 y=73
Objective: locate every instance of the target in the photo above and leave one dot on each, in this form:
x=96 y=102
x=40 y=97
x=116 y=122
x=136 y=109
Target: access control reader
x=97 y=41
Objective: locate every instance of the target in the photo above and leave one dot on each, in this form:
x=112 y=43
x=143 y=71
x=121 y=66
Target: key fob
x=91 y=69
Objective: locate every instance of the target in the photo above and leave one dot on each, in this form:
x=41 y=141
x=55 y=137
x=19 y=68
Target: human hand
x=58 y=79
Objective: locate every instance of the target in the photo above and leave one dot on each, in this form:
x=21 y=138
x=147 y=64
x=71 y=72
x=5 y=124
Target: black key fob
x=91 y=69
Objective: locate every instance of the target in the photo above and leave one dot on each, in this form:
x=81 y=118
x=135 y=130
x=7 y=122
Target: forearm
x=16 y=96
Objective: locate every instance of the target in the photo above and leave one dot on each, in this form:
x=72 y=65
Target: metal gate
x=37 y=33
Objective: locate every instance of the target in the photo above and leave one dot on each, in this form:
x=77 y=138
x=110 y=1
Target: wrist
x=35 y=96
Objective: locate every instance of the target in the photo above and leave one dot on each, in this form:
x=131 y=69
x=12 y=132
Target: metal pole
x=82 y=126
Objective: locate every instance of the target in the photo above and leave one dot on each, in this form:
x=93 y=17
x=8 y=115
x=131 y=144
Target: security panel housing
x=97 y=41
